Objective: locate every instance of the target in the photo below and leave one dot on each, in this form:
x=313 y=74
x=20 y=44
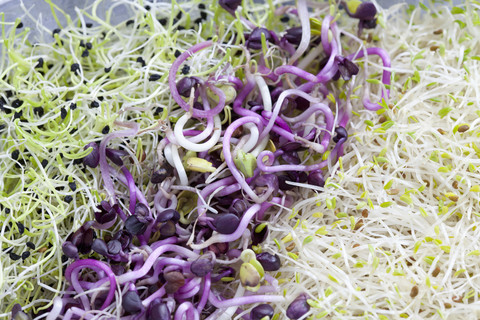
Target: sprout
x=262 y=312
x=298 y=308
x=132 y=303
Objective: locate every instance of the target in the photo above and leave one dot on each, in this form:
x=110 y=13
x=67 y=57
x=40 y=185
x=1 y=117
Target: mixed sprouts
x=150 y=159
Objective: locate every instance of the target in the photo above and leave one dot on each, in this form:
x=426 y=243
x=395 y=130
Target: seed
x=285 y=19
x=63 y=113
x=20 y=25
x=447 y=305
x=365 y=213
x=94 y=104
x=186 y=69
x=21 y=227
x=106 y=129
x=15 y=154
x=73 y=186
x=14 y=256
x=44 y=163
x=154 y=77
x=441 y=131
x=68 y=199
x=162 y=21
x=85 y=53
x=393 y=192
x=25 y=255
x=203 y=15
x=108 y=69
x=455 y=184
x=382 y=119
x=73 y=106
x=74 y=67
x=439 y=31
x=436 y=271
x=140 y=60
x=31 y=245
x=414 y=292
x=457 y=299
x=463 y=128
x=55 y=31
x=177 y=53
x=88 y=24
x=453 y=198
x=356 y=245
x=434 y=48
x=42 y=249
x=88 y=45
x=129 y=22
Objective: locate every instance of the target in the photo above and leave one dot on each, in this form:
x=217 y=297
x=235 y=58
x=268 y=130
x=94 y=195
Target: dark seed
x=94 y=104
x=106 y=130
x=31 y=245
x=227 y=223
x=17 y=103
x=186 y=69
x=285 y=19
x=72 y=185
x=162 y=21
x=74 y=67
x=261 y=311
x=269 y=261
x=203 y=15
x=154 y=77
x=255 y=39
x=88 y=24
x=141 y=61
x=21 y=227
x=15 y=154
x=44 y=163
x=177 y=53
x=132 y=303
x=25 y=255
x=14 y=256
x=85 y=53
x=108 y=69
x=294 y=35
x=73 y=106
x=68 y=199
x=201 y=267
x=55 y=31
x=39 y=63
x=63 y=113
x=129 y=22
x=82 y=44
x=20 y=25
x=259 y=237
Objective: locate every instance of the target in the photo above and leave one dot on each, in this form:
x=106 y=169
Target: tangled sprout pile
x=145 y=164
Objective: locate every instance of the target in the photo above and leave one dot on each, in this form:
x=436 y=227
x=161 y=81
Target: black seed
x=17 y=103
x=73 y=186
x=154 y=77
x=106 y=130
x=180 y=28
x=31 y=245
x=107 y=70
x=129 y=22
x=177 y=53
x=64 y=258
x=17 y=115
x=39 y=63
x=158 y=110
x=198 y=21
x=44 y=163
x=38 y=111
x=85 y=53
x=94 y=104
x=55 y=31
x=14 y=256
x=21 y=227
x=162 y=21
x=20 y=25
x=89 y=24
x=285 y=19
x=88 y=45
x=341 y=133
x=68 y=199
x=15 y=154
x=201 y=6
x=74 y=67
x=186 y=69
x=298 y=308
x=203 y=15
x=25 y=255
x=7 y=210
x=179 y=15
x=82 y=44
x=140 y=60
x=63 y=113
x=73 y=106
